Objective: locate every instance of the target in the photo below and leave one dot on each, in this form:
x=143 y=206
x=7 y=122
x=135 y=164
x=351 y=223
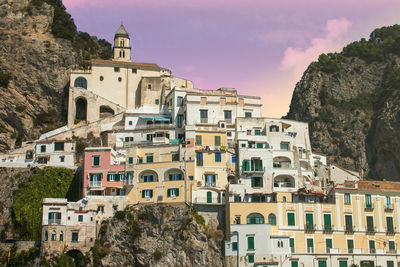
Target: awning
x=156 y=118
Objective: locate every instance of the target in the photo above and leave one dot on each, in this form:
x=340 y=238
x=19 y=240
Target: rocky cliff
x=158 y=235
x=351 y=101
x=39 y=45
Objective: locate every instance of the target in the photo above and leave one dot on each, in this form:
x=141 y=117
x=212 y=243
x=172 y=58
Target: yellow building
x=357 y=223
x=159 y=173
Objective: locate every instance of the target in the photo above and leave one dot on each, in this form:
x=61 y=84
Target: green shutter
x=130 y=160
x=291 y=220
x=259 y=145
x=168 y=192
x=250 y=242
x=295 y=264
x=117 y=177
x=151 y=193
x=243 y=165
x=251 y=258
x=91 y=177
x=327 y=221
x=198 y=140
x=96 y=160
x=252 y=182
x=261 y=181
x=370 y=223
x=234 y=246
x=209 y=197
x=177 y=192
x=322 y=263
x=143 y=194
x=170 y=177
x=252 y=165
x=291 y=242
x=217 y=140
x=309 y=219
x=214 y=178
x=328 y=243
x=108 y=177
x=342 y=263
x=389 y=223
x=349 y=222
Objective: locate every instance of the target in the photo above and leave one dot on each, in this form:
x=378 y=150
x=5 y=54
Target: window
x=256 y=165
x=228 y=115
x=285 y=146
x=350 y=245
x=349 y=223
x=101 y=78
x=149 y=137
x=46 y=236
x=116 y=69
x=157 y=101
x=294 y=264
x=115 y=208
x=250 y=242
x=389 y=225
x=283 y=199
x=209 y=197
x=119 y=79
x=370 y=224
x=175 y=156
x=134 y=70
x=190 y=177
x=199 y=158
x=96 y=161
x=234 y=246
x=175 y=177
x=322 y=263
x=80 y=82
x=310 y=245
x=257 y=132
x=179 y=121
x=210 y=179
x=59 y=146
x=149 y=158
x=173 y=192
x=328 y=245
x=130 y=160
x=272 y=219
x=290 y=219
x=54 y=217
x=149 y=86
x=80 y=218
x=130 y=123
x=260 y=145
x=327 y=222
x=100 y=209
x=198 y=140
x=291 y=243
x=53 y=236
x=43 y=148
x=368 y=201
x=347 y=198
x=203 y=115
x=179 y=101
x=217 y=156
x=248 y=132
x=371 y=246
x=75 y=237
x=247 y=114
x=388 y=263
x=256 y=182
x=233 y=159
x=147 y=193
x=250 y=258
x=229 y=134
x=61 y=236
x=255 y=218
x=62 y=158
x=217 y=140
x=392 y=246
x=148 y=178
x=274 y=128
x=309 y=221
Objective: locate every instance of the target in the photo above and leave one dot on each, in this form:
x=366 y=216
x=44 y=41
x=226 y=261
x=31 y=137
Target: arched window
x=46 y=236
x=283 y=199
x=272 y=219
x=120 y=53
x=274 y=128
x=80 y=82
x=53 y=236
x=61 y=236
x=255 y=218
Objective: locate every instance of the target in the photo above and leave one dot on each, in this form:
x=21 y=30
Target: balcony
x=309 y=227
x=390 y=231
x=371 y=230
x=95 y=184
x=392 y=251
x=255 y=170
x=310 y=250
x=54 y=221
x=369 y=207
x=372 y=250
x=206 y=184
x=328 y=229
x=349 y=229
x=389 y=207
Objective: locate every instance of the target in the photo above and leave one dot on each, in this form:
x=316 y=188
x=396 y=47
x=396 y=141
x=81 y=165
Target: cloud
x=297 y=60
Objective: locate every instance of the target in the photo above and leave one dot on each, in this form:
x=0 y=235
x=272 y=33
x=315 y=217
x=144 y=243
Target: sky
x=259 y=47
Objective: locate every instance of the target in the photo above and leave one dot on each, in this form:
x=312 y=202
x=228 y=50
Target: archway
x=284 y=181
x=75 y=256
x=173 y=175
x=147 y=176
x=81 y=109
x=106 y=111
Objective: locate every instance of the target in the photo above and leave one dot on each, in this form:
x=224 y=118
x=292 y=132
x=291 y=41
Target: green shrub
x=27 y=206
x=157 y=255
x=119 y=215
x=20 y=108
x=328 y=63
x=4 y=79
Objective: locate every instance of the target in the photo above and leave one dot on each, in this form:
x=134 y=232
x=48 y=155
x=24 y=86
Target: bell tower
x=121 y=50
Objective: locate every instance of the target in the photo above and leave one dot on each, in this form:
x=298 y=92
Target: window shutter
x=170 y=177
x=143 y=193
x=327 y=221
x=117 y=177
x=150 y=178
x=177 y=192
x=108 y=177
x=243 y=166
x=168 y=192
x=91 y=177
x=252 y=182
x=213 y=178
x=250 y=242
x=261 y=182
x=151 y=193
x=252 y=165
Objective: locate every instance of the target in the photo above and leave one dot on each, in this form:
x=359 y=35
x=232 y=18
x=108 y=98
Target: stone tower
x=122 y=50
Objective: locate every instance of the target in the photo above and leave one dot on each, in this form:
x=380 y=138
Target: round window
x=119 y=79
x=101 y=78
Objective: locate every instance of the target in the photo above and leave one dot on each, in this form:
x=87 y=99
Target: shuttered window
x=347 y=198
x=250 y=242
x=291 y=242
x=328 y=245
x=217 y=156
x=342 y=263
x=368 y=201
x=322 y=263
x=217 y=140
x=310 y=245
x=291 y=219
x=198 y=140
x=327 y=222
x=59 y=146
x=96 y=160
x=199 y=158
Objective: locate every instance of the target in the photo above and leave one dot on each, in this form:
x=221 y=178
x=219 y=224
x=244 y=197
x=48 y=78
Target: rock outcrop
x=158 y=235
x=39 y=45
x=351 y=101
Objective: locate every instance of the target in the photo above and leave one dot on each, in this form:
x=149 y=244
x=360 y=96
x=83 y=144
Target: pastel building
x=104 y=172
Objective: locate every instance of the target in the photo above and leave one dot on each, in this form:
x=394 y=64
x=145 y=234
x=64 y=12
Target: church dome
x=121 y=32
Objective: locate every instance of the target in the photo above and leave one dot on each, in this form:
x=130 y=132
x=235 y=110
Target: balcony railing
x=349 y=229
x=95 y=184
x=309 y=227
x=392 y=251
x=54 y=221
x=372 y=250
x=350 y=250
x=310 y=249
x=255 y=170
x=328 y=228
x=370 y=230
x=389 y=207
x=390 y=231
x=206 y=184
x=292 y=249
x=369 y=207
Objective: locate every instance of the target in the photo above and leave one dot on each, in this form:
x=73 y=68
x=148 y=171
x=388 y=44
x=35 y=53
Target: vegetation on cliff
x=345 y=98
x=27 y=206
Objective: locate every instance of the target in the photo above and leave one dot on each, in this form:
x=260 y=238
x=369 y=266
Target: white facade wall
x=61 y=158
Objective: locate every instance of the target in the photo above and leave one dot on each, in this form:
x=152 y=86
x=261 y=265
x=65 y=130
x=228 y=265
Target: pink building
x=103 y=174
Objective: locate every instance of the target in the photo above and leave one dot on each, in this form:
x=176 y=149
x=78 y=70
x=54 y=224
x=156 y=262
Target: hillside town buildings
x=164 y=141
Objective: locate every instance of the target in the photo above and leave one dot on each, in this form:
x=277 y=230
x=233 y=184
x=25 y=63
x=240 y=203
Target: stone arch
x=80 y=82
x=173 y=174
x=105 y=111
x=255 y=218
x=284 y=181
x=77 y=257
x=282 y=162
x=81 y=105
x=144 y=176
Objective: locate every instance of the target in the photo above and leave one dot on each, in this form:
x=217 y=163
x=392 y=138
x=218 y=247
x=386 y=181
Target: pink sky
x=259 y=47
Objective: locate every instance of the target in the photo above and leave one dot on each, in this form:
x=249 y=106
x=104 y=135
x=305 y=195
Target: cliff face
x=351 y=101
x=158 y=235
x=39 y=45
